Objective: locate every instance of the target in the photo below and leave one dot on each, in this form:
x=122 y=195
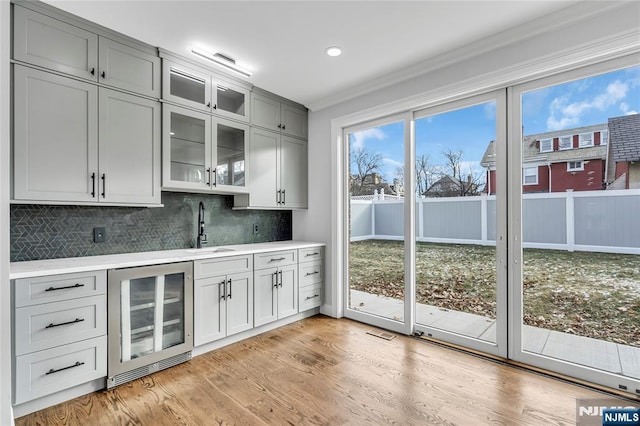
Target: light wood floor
x=328 y=372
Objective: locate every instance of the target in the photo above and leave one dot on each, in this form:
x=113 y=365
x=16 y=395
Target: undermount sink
x=210 y=250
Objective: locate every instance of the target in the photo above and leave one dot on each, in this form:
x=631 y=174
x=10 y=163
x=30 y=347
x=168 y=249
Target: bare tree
x=464 y=184
x=363 y=164
x=453 y=162
x=424 y=173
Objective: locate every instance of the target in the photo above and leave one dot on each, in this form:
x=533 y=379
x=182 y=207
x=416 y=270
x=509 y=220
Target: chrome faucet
x=202 y=237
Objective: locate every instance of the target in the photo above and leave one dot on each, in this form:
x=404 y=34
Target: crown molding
x=570 y=15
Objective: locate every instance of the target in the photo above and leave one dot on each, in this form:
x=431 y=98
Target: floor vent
x=381 y=334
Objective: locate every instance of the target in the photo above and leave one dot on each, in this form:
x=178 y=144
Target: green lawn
x=590 y=294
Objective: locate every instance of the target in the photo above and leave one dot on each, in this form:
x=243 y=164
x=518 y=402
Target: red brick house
x=573 y=159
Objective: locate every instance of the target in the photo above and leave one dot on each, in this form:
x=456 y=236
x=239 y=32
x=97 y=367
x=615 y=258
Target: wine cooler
x=150 y=314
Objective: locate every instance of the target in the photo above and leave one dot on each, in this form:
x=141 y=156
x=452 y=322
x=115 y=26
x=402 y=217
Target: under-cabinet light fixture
x=222 y=60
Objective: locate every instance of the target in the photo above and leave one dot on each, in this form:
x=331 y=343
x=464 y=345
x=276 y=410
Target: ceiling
x=284 y=42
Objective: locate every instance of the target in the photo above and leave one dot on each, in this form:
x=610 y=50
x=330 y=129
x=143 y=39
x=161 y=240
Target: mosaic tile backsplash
x=50 y=232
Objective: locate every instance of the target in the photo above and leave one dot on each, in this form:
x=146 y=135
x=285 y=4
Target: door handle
x=278 y=192
x=209 y=176
x=93 y=185
x=77 y=364
x=280 y=273
x=229 y=282
x=215 y=177
x=284 y=198
x=76 y=285
x=274 y=278
x=104 y=185
x=224 y=290
x=52 y=325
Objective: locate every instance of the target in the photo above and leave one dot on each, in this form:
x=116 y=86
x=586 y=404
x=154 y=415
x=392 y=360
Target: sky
x=574 y=104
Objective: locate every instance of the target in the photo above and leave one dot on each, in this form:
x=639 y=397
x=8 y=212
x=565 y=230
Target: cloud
x=564 y=114
x=358 y=138
x=624 y=107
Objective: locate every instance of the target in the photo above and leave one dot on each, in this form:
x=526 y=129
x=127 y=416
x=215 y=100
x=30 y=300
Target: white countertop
x=38 y=268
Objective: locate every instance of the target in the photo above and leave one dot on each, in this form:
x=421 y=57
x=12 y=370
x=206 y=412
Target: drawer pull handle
x=77 y=364
x=278 y=260
x=65 y=287
x=311 y=273
x=312 y=297
x=65 y=323
x=315 y=253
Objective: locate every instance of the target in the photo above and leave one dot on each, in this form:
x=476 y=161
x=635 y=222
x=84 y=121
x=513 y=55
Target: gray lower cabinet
x=310 y=278
x=223 y=297
x=59 y=333
x=276 y=287
x=59 y=46
x=75 y=142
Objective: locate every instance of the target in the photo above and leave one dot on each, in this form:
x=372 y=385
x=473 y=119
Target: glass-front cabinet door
x=186 y=86
x=186 y=148
x=230 y=142
x=231 y=101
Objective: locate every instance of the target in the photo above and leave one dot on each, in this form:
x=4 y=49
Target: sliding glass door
x=377 y=251
x=576 y=247
x=508 y=223
x=460 y=254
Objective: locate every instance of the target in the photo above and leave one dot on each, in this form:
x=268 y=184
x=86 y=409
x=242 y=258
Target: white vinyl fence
x=600 y=221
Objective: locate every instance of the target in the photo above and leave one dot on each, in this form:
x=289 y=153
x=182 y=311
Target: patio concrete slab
x=630 y=360
x=534 y=339
x=584 y=351
x=607 y=356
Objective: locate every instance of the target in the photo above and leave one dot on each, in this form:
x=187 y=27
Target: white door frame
x=516 y=351
x=498 y=348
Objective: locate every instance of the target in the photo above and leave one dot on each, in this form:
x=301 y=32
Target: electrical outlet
x=99 y=234
x=255 y=228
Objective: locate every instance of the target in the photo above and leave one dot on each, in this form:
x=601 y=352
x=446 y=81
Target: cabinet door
x=55 y=137
x=129 y=148
x=239 y=302
x=186 y=86
x=265 y=112
x=294 y=121
x=287 y=291
x=293 y=172
x=229 y=147
x=264 y=163
x=53 y=44
x=209 y=316
x=186 y=146
x=265 y=306
x=128 y=68
x=231 y=101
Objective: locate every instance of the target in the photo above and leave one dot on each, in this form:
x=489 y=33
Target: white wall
x=6 y=417
x=583 y=34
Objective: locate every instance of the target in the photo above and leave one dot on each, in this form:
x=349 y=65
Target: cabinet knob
x=284 y=126
x=208 y=104
x=104 y=74
x=93 y=71
x=279 y=126
x=215 y=106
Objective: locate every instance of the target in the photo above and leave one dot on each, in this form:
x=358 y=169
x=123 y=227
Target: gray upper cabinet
x=129 y=148
x=75 y=142
x=282 y=117
x=194 y=87
x=50 y=43
x=128 y=68
x=55 y=137
x=53 y=44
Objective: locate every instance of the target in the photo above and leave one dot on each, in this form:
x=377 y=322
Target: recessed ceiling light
x=333 y=51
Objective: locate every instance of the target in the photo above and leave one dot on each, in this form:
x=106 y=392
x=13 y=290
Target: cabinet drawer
x=310 y=254
x=222 y=266
x=54 y=288
x=311 y=273
x=310 y=297
x=45 y=326
x=276 y=258
x=46 y=372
